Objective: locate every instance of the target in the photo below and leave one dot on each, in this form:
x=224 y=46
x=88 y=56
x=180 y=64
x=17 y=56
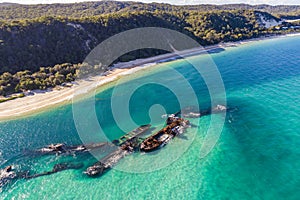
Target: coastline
x=42 y=101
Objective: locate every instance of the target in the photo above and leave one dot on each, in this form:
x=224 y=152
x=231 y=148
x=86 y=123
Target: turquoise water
x=256 y=156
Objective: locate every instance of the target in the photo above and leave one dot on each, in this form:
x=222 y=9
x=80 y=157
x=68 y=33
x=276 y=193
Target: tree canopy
x=37 y=40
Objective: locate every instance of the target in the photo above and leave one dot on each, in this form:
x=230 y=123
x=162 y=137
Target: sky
x=178 y=2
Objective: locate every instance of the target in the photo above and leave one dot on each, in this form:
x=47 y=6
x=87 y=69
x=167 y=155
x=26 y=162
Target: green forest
x=89 y=9
x=42 y=46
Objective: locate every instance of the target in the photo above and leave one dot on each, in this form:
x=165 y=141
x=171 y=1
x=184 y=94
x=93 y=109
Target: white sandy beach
x=41 y=101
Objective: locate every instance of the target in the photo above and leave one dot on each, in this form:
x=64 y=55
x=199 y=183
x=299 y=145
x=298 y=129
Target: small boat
x=97 y=169
x=6 y=175
x=59 y=148
x=62 y=148
x=191 y=113
x=219 y=109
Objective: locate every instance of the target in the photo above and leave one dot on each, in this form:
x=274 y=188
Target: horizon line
x=78 y=2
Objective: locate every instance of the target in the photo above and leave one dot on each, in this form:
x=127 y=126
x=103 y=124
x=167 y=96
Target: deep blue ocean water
x=256 y=156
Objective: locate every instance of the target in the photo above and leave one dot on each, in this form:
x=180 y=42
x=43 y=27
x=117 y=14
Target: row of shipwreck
x=176 y=124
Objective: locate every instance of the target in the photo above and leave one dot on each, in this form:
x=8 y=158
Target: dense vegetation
x=46 y=77
x=30 y=44
x=35 y=40
x=47 y=41
x=88 y=9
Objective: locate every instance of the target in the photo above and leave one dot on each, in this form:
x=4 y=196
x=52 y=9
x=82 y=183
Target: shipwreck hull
x=164 y=136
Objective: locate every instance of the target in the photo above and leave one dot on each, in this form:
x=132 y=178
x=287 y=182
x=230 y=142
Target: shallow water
x=256 y=157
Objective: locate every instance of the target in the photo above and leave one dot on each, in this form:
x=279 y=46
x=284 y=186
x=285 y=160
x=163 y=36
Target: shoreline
x=43 y=101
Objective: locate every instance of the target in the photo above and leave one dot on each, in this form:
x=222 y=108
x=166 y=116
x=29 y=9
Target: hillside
x=88 y=9
x=41 y=52
x=46 y=41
